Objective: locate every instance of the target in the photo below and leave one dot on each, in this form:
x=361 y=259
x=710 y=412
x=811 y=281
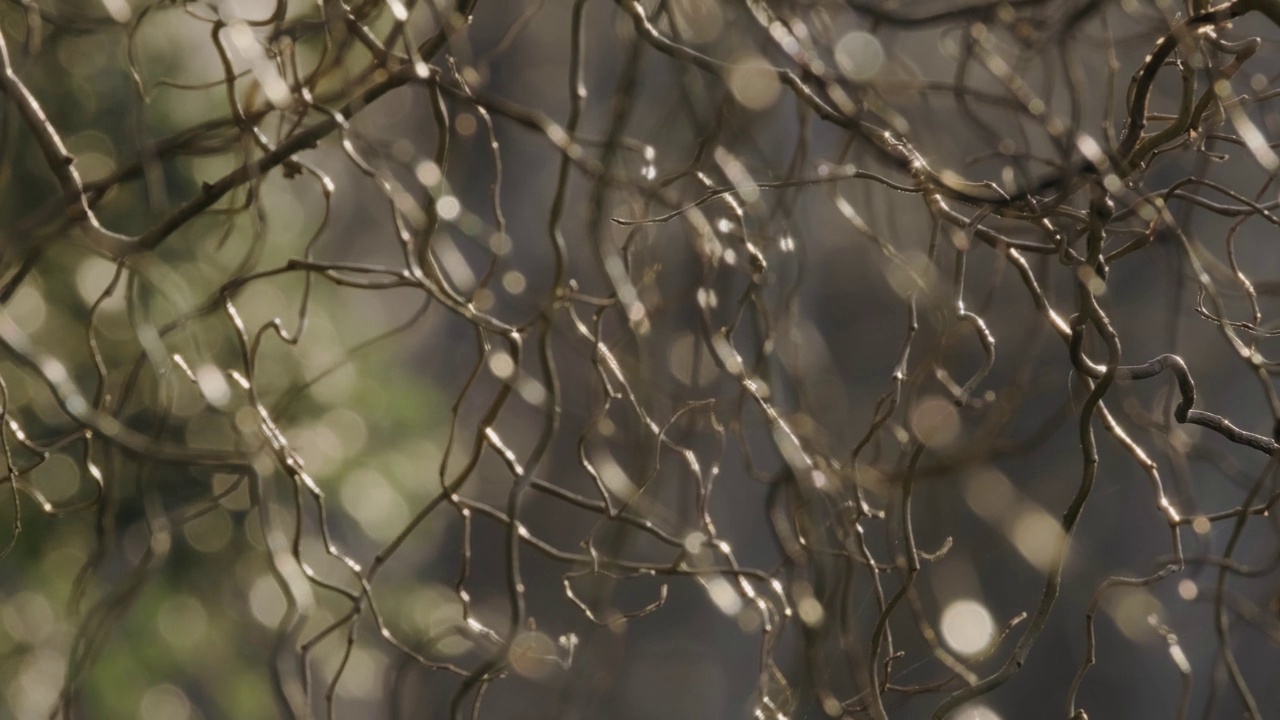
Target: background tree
x=675 y=358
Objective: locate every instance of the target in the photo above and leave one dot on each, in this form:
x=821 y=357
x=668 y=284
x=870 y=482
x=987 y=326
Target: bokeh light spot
x=754 y=83
x=967 y=627
x=859 y=55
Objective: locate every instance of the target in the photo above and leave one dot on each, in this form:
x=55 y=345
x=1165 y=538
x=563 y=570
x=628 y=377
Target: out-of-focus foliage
x=139 y=585
x=638 y=359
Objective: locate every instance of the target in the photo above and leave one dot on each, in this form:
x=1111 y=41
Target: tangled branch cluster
x=630 y=332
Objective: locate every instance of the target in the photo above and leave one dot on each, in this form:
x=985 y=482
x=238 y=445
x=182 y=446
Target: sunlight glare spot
x=1187 y=589
x=1037 y=536
x=859 y=56
x=724 y=596
x=266 y=601
x=967 y=627
x=513 y=281
x=164 y=702
x=502 y=366
x=213 y=385
x=428 y=173
x=935 y=421
x=449 y=208
x=533 y=655
x=754 y=83
x=182 y=621
x=975 y=712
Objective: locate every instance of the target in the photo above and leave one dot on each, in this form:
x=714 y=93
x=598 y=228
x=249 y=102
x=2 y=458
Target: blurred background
x=654 y=359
